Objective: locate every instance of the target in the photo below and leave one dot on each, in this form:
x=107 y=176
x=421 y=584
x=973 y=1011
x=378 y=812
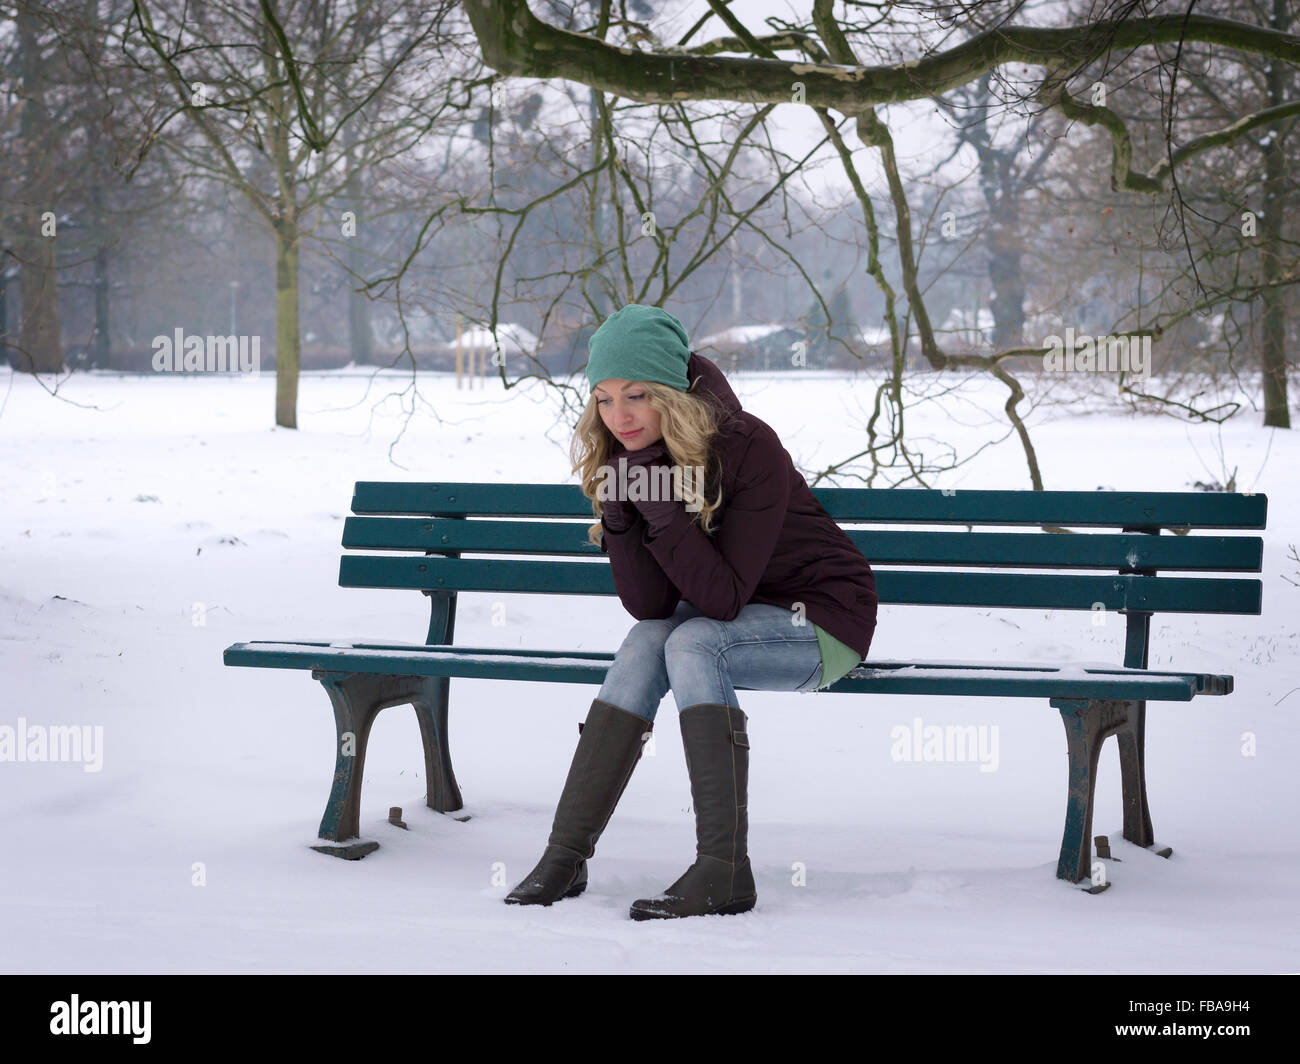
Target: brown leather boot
x=610 y=743
x=720 y=881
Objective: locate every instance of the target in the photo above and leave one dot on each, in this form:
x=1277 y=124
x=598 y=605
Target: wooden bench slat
x=937 y=678
x=1100 y=550
x=1205 y=683
x=863 y=505
x=1012 y=590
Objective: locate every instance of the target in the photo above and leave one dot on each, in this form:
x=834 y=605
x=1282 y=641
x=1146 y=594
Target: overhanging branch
x=517 y=43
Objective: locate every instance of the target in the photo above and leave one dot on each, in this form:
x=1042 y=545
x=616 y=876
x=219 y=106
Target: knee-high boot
x=717 y=758
x=609 y=745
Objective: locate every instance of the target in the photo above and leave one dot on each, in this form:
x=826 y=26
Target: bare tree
x=38 y=348
x=269 y=91
x=828 y=74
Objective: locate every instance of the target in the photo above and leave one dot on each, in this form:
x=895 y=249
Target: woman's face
x=625 y=408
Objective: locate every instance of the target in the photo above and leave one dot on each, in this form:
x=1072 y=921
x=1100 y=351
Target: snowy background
x=138 y=498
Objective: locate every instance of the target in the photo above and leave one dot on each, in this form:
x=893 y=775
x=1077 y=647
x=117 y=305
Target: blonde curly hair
x=689 y=421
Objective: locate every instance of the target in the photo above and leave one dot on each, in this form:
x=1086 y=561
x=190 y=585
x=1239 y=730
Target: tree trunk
x=1273 y=340
x=287 y=349
x=4 y=307
x=39 y=346
x=1008 y=280
x=1277 y=413
x=101 y=352
x=360 y=335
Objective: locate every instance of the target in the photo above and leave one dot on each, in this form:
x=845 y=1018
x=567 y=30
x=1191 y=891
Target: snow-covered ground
x=149 y=522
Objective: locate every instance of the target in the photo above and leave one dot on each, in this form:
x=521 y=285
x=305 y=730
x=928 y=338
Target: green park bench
x=414 y=536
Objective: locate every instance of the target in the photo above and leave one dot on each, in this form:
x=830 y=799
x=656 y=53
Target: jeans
x=700 y=658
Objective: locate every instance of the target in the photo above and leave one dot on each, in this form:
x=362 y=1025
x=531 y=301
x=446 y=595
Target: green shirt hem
x=838 y=658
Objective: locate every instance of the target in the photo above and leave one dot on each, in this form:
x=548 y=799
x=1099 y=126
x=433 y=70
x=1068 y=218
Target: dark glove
x=621 y=514
x=618 y=515
x=658 y=513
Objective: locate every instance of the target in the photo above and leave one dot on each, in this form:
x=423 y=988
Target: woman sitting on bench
x=743 y=578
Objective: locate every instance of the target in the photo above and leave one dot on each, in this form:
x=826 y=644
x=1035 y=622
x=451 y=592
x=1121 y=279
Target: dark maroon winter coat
x=773 y=542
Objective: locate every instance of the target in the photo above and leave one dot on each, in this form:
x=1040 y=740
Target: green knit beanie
x=639 y=343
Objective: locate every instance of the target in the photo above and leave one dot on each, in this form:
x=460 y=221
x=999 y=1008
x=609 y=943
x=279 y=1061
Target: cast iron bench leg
x=357 y=699
x=1087 y=723
x=1132 y=764
x=443 y=795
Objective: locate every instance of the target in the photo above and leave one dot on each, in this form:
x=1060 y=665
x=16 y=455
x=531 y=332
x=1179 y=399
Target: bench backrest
x=544 y=528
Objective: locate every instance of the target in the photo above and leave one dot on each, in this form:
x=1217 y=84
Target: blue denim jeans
x=700 y=658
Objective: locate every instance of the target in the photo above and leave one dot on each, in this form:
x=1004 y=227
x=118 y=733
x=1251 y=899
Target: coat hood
x=713 y=381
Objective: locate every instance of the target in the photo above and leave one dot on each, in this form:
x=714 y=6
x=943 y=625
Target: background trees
x=901 y=190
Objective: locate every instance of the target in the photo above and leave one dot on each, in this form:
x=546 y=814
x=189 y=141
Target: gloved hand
x=621 y=514
x=658 y=513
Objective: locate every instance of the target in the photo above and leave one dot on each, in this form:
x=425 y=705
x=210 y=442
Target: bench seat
x=1072 y=680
